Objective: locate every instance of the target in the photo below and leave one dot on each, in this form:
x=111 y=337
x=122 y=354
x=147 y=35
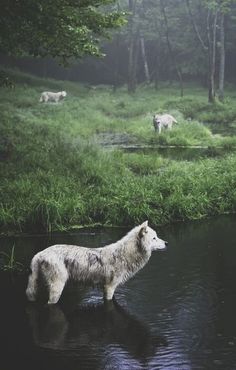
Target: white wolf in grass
x=48 y=96
x=163 y=121
x=107 y=267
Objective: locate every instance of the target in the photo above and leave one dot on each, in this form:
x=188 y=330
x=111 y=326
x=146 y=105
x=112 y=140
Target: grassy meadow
x=56 y=173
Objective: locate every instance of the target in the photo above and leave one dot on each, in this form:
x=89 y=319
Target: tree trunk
x=158 y=47
x=116 y=64
x=210 y=87
x=212 y=55
x=132 y=65
x=156 y=76
x=208 y=49
x=144 y=56
x=222 y=58
x=117 y=76
x=171 y=53
x=204 y=47
x=131 y=49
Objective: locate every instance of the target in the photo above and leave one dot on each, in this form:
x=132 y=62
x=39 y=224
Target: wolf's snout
x=166 y=243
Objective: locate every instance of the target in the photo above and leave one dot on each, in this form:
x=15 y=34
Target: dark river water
x=178 y=313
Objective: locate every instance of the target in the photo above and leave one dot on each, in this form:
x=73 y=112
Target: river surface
x=178 y=313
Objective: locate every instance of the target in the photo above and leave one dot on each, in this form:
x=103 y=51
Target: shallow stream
x=178 y=313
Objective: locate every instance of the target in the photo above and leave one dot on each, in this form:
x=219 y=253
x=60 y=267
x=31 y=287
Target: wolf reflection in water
x=97 y=325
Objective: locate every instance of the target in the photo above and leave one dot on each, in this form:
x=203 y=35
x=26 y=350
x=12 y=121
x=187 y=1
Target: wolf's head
x=63 y=94
x=156 y=119
x=149 y=240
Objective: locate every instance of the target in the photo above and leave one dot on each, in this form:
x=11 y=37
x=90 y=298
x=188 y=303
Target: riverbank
x=56 y=174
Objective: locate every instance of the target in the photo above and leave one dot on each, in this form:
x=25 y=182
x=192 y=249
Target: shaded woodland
x=171 y=40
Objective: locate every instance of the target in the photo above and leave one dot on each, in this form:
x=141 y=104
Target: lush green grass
x=56 y=176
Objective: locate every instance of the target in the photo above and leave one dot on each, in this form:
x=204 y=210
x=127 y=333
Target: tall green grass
x=56 y=176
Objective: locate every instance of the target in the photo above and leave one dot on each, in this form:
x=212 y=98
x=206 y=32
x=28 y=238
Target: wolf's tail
x=31 y=290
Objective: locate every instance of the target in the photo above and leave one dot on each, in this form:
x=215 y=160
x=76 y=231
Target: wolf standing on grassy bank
x=48 y=96
x=107 y=267
x=163 y=121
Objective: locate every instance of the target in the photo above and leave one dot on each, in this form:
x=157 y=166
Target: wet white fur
x=107 y=267
x=163 y=121
x=48 y=96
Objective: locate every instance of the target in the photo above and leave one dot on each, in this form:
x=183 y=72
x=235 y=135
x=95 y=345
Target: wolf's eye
x=154 y=238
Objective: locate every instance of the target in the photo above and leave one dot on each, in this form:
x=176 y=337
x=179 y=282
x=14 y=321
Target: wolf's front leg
x=109 y=292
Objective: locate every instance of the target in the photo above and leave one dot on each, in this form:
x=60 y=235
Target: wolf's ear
x=144 y=224
x=143 y=229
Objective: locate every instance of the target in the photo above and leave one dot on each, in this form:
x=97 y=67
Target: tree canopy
x=59 y=28
x=177 y=40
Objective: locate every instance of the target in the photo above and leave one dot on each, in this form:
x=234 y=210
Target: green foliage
x=58 y=28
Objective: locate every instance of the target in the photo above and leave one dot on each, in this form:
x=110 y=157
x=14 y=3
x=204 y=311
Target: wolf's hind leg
x=55 y=276
x=32 y=286
x=55 y=290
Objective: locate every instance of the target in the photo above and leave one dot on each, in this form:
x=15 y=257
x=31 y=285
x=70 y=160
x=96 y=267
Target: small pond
x=126 y=143
x=176 y=153
x=178 y=313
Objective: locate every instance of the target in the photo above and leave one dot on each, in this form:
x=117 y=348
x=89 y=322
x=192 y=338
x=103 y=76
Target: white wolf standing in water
x=163 y=121
x=107 y=267
x=52 y=96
